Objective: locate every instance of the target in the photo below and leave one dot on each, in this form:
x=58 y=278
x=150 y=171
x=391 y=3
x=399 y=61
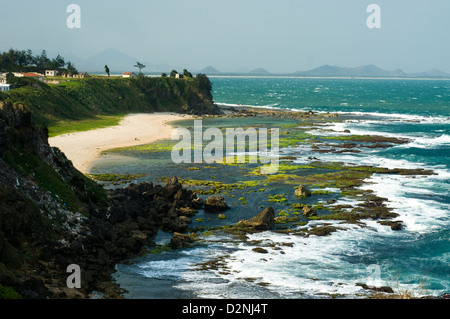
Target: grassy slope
x=100 y=121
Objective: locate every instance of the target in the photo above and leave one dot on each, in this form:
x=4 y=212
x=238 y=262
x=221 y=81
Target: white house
x=129 y=75
x=4 y=87
x=51 y=72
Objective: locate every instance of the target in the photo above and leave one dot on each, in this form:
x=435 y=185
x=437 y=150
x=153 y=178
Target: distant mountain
x=365 y=71
x=432 y=73
x=209 y=70
x=259 y=71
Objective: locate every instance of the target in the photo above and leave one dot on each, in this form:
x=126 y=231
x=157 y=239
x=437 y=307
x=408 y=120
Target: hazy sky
x=280 y=36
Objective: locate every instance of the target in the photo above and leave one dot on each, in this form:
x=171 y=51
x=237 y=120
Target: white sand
x=83 y=148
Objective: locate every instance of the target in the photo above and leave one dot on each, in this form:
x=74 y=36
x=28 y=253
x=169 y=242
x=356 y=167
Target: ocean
x=415 y=259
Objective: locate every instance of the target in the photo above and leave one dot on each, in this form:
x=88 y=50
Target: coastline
x=331 y=213
x=84 y=148
x=122 y=240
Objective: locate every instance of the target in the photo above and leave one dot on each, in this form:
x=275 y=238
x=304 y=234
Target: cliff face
x=52 y=216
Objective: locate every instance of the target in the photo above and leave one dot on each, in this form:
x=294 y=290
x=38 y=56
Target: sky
x=281 y=36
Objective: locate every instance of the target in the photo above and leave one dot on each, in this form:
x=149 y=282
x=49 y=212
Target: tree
x=107 y=70
x=71 y=68
x=203 y=83
x=173 y=73
x=187 y=74
x=140 y=66
x=42 y=61
x=58 y=63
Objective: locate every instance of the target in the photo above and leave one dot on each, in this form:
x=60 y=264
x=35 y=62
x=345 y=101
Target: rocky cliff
x=52 y=216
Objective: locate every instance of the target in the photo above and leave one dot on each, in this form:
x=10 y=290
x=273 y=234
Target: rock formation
x=264 y=220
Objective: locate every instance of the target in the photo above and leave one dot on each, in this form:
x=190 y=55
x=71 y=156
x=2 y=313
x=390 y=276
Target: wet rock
x=197 y=203
x=260 y=250
x=383 y=289
x=171 y=222
x=395 y=225
x=308 y=211
x=264 y=220
x=322 y=230
x=302 y=191
x=216 y=204
x=179 y=240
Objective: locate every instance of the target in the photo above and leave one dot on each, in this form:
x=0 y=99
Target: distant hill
x=259 y=71
x=209 y=70
x=432 y=73
x=365 y=71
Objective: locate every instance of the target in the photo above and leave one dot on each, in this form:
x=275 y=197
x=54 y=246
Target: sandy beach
x=83 y=148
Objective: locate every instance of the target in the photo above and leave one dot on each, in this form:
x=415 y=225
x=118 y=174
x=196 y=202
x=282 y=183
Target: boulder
x=260 y=250
x=383 y=289
x=179 y=240
x=197 y=203
x=308 y=211
x=264 y=220
x=216 y=204
x=395 y=225
x=302 y=191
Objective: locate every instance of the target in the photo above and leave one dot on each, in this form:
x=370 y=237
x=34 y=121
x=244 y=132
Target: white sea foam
x=418 y=214
x=430 y=142
x=310 y=267
x=270 y=106
x=395 y=117
x=319 y=266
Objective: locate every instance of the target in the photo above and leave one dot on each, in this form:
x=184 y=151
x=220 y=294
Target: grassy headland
x=95 y=102
x=47 y=204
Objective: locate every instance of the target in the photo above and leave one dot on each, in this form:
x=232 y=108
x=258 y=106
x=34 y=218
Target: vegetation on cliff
x=88 y=98
x=52 y=216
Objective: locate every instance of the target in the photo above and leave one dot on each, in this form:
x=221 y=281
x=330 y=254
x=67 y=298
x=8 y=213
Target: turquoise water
x=415 y=259
x=409 y=97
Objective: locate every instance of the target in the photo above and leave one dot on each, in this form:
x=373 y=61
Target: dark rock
x=264 y=220
x=383 y=289
x=179 y=240
x=308 y=211
x=302 y=191
x=260 y=250
x=395 y=225
x=197 y=203
x=171 y=222
x=216 y=204
x=322 y=230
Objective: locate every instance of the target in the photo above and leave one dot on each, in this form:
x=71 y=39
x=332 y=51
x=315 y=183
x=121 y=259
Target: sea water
x=415 y=259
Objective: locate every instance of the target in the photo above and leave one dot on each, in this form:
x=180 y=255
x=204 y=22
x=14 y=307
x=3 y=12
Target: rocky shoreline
x=322 y=208
x=52 y=216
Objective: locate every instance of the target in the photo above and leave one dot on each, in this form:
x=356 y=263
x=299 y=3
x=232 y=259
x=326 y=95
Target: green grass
x=100 y=121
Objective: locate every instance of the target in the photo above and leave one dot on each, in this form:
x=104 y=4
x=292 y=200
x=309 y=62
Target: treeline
x=25 y=61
